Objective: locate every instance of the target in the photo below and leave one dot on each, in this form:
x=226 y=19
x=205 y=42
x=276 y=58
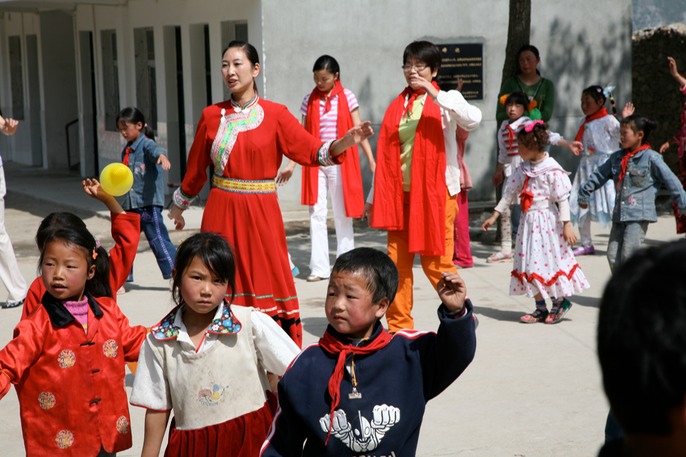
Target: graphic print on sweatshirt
x=361 y=435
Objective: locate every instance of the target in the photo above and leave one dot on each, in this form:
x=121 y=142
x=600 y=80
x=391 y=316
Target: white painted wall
x=367 y=37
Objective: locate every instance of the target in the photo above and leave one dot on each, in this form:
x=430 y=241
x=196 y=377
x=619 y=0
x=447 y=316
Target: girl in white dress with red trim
x=544 y=264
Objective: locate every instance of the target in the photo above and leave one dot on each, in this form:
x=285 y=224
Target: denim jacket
x=635 y=200
x=148 y=176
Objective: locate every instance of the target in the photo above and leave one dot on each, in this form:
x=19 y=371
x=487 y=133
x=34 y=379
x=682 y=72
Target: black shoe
x=11 y=304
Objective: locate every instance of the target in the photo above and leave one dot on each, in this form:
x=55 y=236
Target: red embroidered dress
x=543 y=260
x=246 y=147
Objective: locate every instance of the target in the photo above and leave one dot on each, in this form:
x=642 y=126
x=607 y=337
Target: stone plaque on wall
x=463 y=61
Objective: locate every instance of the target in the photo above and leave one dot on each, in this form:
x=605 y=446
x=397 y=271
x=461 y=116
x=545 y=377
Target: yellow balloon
x=116 y=179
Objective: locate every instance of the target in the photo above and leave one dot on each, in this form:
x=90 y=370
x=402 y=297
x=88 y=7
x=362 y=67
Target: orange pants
x=399 y=314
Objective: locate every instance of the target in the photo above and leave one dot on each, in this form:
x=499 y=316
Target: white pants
x=329 y=182
x=9 y=270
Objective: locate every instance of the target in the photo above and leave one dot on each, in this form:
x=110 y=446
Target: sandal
x=538 y=315
x=499 y=257
x=558 y=312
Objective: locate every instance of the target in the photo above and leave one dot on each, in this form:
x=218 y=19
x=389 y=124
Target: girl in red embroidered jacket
x=67 y=357
x=125 y=233
x=544 y=264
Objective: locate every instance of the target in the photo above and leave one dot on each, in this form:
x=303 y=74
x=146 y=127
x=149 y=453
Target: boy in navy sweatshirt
x=360 y=390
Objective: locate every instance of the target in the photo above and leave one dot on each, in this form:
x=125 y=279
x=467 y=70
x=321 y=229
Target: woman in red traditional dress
x=244 y=139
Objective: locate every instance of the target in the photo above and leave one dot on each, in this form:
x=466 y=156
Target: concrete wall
x=367 y=37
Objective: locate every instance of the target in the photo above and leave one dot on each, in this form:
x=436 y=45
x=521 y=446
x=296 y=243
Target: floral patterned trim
x=523 y=277
x=166 y=330
x=230 y=126
x=244 y=186
x=226 y=323
x=181 y=199
x=324 y=156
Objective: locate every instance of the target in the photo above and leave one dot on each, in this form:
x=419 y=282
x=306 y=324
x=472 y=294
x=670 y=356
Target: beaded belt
x=244 y=186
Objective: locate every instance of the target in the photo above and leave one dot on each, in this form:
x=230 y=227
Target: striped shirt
x=327 y=122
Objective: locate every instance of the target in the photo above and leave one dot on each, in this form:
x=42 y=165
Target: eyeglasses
x=419 y=67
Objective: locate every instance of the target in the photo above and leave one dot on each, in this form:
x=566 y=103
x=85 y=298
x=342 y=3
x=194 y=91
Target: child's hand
x=570 y=236
x=452 y=291
x=672 y=66
x=10 y=126
x=92 y=187
x=497 y=178
x=162 y=160
x=664 y=147
x=628 y=110
x=176 y=214
x=576 y=147
x=490 y=221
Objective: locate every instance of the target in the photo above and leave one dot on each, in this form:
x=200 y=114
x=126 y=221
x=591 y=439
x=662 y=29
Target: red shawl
x=428 y=188
x=350 y=168
x=334 y=347
x=602 y=112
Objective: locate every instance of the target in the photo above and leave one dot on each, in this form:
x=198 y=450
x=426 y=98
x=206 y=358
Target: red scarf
x=353 y=194
x=602 y=112
x=428 y=188
x=625 y=161
x=127 y=151
x=511 y=136
x=335 y=347
x=526 y=198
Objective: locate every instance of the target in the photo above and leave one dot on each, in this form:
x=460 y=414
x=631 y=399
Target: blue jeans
x=625 y=239
x=155 y=231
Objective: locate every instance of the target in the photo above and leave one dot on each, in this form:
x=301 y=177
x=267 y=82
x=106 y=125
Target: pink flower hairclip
x=528 y=128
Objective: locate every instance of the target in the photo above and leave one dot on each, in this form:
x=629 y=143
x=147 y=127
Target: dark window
x=16 y=80
x=110 y=76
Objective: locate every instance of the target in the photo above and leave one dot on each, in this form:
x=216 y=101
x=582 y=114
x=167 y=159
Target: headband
x=528 y=128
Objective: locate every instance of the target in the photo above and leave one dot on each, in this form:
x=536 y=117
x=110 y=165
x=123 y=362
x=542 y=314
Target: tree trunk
x=518 y=34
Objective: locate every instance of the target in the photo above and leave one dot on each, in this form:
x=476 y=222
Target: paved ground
x=531 y=390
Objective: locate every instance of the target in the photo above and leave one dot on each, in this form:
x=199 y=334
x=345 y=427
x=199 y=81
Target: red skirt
x=239 y=437
x=253 y=226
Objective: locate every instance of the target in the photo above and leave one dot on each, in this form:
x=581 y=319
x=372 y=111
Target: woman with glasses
x=417 y=175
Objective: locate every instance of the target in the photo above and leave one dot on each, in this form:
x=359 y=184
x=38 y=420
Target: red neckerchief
x=413 y=94
x=511 y=136
x=335 y=347
x=602 y=112
x=353 y=194
x=526 y=197
x=127 y=151
x=426 y=229
x=625 y=161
